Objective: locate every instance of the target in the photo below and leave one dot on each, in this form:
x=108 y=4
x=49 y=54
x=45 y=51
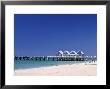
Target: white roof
x=61 y=52
x=80 y=52
x=73 y=52
x=66 y=52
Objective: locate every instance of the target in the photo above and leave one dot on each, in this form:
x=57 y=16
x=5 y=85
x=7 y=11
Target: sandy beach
x=79 y=69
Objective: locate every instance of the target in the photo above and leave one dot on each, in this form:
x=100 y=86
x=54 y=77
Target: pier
x=60 y=56
x=52 y=58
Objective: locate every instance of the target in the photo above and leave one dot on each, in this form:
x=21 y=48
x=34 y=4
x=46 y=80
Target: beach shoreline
x=79 y=69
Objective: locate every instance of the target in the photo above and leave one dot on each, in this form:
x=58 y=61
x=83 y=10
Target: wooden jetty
x=50 y=58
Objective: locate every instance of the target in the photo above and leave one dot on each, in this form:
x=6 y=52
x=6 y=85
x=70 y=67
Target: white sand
x=80 y=69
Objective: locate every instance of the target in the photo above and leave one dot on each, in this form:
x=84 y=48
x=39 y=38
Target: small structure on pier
x=70 y=54
x=66 y=53
x=80 y=53
x=60 y=53
x=73 y=53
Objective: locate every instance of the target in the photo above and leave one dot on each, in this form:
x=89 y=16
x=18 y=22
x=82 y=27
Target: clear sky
x=45 y=34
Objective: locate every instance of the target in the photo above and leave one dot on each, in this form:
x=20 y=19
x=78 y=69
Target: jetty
x=60 y=56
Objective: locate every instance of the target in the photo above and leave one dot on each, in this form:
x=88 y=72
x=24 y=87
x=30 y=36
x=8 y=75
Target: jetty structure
x=60 y=56
x=70 y=54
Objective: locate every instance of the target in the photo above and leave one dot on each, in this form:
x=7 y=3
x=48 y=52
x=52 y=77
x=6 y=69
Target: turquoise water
x=23 y=64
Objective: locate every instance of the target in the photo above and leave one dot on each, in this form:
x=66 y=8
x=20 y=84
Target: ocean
x=24 y=64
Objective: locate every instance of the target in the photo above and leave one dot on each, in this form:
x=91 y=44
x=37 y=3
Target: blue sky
x=45 y=34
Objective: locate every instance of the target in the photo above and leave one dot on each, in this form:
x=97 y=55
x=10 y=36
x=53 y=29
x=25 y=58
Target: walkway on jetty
x=53 y=58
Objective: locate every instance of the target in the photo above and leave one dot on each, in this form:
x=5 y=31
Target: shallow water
x=22 y=64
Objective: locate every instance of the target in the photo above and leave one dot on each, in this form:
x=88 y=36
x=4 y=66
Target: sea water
x=24 y=64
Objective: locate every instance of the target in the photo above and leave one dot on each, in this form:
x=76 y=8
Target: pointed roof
x=61 y=52
x=66 y=52
x=80 y=52
x=73 y=52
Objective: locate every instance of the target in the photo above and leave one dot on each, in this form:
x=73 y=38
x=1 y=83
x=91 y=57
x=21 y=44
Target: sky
x=46 y=34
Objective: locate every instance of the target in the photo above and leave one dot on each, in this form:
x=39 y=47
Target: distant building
x=60 y=53
x=70 y=54
x=66 y=53
x=73 y=53
x=80 y=53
